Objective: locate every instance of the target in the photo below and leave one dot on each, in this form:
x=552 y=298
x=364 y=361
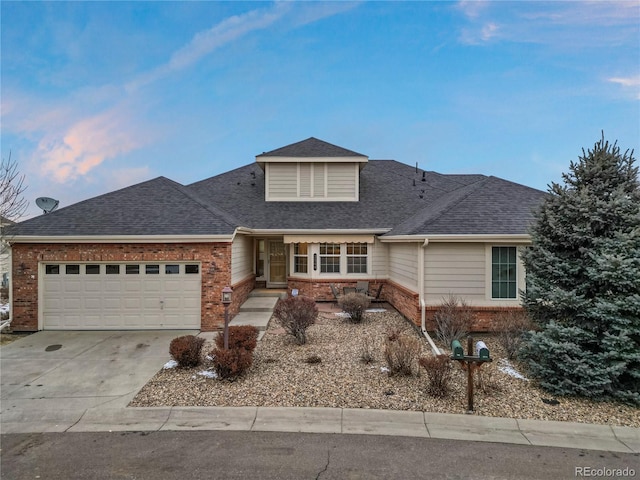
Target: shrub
x=241 y=336
x=355 y=304
x=366 y=354
x=509 y=328
x=400 y=354
x=312 y=359
x=453 y=320
x=231 y=363
x=186 y=350
x=439 y=372
x=296 y=314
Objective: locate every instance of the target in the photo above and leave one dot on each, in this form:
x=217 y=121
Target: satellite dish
x=47 y=204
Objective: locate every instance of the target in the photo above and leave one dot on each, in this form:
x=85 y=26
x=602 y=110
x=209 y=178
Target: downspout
x=423 y=306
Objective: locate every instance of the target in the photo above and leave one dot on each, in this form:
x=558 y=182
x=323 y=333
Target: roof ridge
x=221 y=214
x=311 y=147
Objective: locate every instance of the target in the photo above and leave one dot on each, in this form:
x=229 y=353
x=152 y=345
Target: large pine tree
x=583 y=280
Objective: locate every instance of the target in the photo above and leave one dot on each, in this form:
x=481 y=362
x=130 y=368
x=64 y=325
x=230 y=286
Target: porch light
x=226 y=295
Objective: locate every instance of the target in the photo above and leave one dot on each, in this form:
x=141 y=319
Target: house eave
x=523 y=239
x=315 y=231
x=122 y=239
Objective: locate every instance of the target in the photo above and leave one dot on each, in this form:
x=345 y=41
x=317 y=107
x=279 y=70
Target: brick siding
x=215 y=259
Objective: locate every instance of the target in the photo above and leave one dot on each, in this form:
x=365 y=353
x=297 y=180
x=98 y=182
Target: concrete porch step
x=268 y=292
x=259 y=304
x=257 y=319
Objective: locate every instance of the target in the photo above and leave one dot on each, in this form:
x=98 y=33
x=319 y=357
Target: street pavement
x=83 y=382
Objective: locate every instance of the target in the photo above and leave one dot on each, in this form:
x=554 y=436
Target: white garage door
x=120 y=296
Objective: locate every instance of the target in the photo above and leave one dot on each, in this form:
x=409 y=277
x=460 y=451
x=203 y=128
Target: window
x=171 y=269
x=72 y=269
x=113 y=269
x=300 y=257
x=52 y=269
x=191 y=269
x=92 y=269
x=152 y=269
x=356 y=258
x=330 y=258
x=132 y=269
x=503 y=272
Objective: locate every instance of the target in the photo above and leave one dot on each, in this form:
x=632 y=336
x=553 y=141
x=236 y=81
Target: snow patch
x=208 y=374
x=384 y=369
x=4 y=308
x=375 y=310
x=170 y=364
x=505 y=367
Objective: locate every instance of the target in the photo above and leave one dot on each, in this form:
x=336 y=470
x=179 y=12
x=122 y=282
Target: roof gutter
x=312 y=231
x=511 y=238
x=122 y=239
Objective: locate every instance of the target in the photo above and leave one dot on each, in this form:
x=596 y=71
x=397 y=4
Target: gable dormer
x=311 y=170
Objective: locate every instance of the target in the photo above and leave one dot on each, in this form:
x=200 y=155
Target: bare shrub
x=313 y=359
x=487 y=378
x=401 y=353
x=509 y=328
x=186 y=350
x=231 y=363
x=367 y=352
x=241 y=336
x=355 y=304
x=453 y=320
x=439 y=373
x=296 y=314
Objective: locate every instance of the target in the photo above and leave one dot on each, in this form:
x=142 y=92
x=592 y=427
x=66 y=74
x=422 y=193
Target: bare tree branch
x=12 y=202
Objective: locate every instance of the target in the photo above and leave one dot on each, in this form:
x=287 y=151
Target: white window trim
x=314 y=250
x=520 y=275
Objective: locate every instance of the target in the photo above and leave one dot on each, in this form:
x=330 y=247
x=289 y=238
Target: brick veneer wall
x=320 y=290
x=401 y=298
x=483 y=321
x=241 y=291
x=215 y=259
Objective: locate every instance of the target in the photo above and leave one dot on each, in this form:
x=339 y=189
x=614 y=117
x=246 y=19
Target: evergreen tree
x=583 y=280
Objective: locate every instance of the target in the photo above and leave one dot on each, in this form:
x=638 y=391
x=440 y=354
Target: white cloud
x=205 y=42
x=631 y=84
x=87 y=143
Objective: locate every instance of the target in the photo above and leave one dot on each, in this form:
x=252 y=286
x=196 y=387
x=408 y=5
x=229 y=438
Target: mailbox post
x=470 y=362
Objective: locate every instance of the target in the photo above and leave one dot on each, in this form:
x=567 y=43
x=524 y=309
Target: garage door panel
x=120 y=300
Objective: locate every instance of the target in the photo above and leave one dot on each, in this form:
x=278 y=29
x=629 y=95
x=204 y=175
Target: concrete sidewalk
x=66 y=418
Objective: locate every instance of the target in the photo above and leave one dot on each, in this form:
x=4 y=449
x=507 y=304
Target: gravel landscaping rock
x=283 y=375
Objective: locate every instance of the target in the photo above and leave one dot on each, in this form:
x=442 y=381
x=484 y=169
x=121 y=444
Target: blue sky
x=100 y=95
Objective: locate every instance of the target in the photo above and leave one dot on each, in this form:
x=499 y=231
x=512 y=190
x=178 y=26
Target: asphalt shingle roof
x=311 y=147
x=393 y=196
x=156 y=207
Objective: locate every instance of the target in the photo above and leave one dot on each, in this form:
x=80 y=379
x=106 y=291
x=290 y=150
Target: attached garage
x=121 y=296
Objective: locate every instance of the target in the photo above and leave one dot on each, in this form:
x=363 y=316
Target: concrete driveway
x=51 y=377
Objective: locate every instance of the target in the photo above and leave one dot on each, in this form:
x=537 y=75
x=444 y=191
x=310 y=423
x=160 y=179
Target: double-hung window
x=503 y=272
x=356 y=258
x=329 y=258
x=300 y=258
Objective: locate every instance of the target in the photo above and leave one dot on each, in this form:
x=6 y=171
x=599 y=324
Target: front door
x=277 y=265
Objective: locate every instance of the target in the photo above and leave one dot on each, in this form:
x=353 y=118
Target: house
x=304 y=216
x=4 y=258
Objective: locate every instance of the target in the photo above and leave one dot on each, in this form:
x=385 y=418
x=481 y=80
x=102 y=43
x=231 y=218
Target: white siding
x=319 y=180
x=341 y=181
x=312 y=181
x=282 y=181
x=241 y=258
x=403 y=264
x=379 y=259
x=455 y=268
x=305 y=180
